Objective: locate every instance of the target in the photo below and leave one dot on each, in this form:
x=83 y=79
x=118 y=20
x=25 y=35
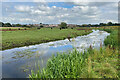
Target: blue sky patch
x=60 y=4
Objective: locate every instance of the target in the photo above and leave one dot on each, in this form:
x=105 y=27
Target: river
x=17 y=62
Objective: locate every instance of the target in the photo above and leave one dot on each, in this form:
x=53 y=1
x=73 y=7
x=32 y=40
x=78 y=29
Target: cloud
x=60 y=1
x=80 y=13
x=22 y=8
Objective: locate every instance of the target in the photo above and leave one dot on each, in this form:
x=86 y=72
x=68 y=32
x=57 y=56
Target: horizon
x=57 y=24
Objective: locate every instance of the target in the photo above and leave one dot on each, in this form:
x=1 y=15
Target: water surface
x=17 y=62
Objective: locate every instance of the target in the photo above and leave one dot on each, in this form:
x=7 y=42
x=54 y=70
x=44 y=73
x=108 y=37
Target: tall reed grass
x=90 y=64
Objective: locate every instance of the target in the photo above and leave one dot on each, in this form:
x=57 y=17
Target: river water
x=17 y=62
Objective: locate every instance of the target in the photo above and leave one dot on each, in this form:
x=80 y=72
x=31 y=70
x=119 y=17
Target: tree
x=89 y=25
x=41 y=26
x=7 y=25
x=102 y=24
x=63 y=25
x=109 y=24
x=18 y=25
x=24 y=25
x=84 y=25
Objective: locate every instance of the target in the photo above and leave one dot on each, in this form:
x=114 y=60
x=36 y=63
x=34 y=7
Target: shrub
x=38 y=28
x=9 y=28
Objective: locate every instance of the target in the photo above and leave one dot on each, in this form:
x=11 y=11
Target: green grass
x=112 y=40
x=101 y=63
x=4 y=28
x=11 y=39
x=90 y=64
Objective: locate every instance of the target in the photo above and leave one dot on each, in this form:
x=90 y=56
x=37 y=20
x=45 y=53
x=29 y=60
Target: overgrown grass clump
x=91 y=64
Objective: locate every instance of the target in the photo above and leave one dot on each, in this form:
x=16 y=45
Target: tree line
x=13 y=25
x=100 y=24
x=63 y=25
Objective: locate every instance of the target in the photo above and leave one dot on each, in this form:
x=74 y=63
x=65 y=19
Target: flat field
x=13 y=28
x=11 y=39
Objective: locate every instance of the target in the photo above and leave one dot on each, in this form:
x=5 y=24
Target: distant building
x=53 y=25
x=72 y=25
x=36 y=25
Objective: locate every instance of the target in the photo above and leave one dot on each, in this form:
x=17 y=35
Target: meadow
x=93 y=63
x=12 y=28
x=12 y=39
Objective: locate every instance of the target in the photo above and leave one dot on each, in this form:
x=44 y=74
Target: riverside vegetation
x=93 y=63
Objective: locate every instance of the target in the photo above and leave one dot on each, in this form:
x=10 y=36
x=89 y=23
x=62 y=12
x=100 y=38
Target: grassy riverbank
x=112 y=40
x=101 y=63
x=90 y=64
x=11 y=39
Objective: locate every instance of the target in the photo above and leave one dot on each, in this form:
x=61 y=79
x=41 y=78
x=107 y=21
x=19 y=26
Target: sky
x=57 y=12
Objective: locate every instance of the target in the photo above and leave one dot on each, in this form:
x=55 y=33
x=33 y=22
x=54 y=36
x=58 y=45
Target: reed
x=90 y=64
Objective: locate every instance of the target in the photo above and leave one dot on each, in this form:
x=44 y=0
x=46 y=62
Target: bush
x=38 y=28
x=9 y=28
x=41 y=26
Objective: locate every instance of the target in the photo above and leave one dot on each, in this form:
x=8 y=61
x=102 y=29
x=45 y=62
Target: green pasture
x=11 y=39
x=8 y=28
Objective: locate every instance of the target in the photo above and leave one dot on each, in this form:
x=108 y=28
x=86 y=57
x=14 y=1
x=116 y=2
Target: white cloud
x=22 y=8
x=25 y=19
x=80 y=13
x=54 y=6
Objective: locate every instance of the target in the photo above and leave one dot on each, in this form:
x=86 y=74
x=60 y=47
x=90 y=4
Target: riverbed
x=17 y=62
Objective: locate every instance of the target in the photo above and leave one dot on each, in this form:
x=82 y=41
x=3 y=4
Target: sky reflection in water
x=17 y=62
